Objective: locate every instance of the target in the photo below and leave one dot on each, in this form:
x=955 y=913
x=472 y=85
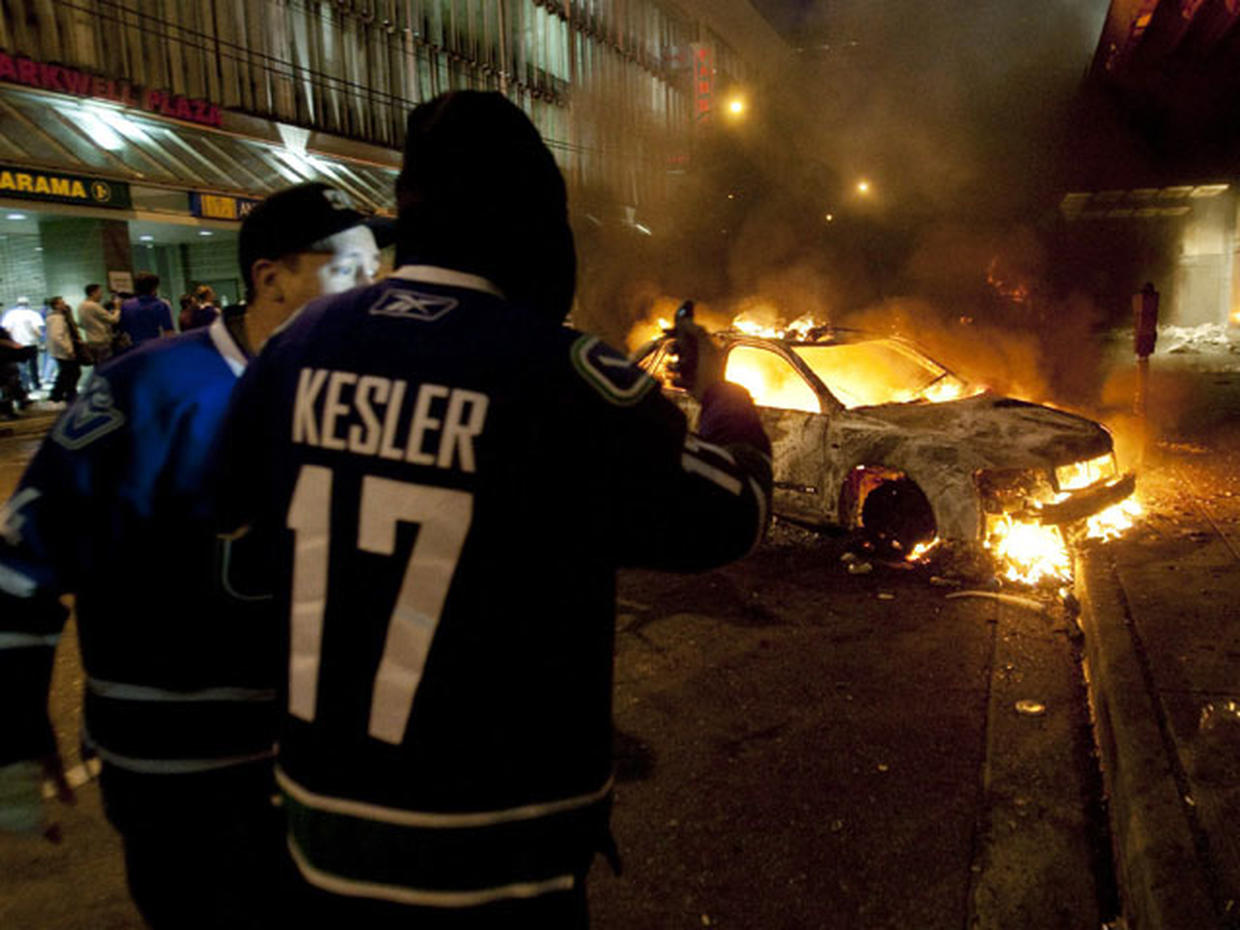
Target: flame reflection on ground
x=1113 y=522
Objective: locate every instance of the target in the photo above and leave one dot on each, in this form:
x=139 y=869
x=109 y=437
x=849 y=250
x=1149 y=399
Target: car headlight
x=1084 y=474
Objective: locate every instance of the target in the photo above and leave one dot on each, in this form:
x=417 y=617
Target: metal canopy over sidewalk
x=55 y=132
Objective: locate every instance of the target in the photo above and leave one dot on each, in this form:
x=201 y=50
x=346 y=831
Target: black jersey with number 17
x=452 y=482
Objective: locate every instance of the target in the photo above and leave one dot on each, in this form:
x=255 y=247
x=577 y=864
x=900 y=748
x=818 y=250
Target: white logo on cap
x=338 y=199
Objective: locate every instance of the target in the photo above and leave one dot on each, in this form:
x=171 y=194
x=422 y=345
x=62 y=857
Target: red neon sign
x=18 y=69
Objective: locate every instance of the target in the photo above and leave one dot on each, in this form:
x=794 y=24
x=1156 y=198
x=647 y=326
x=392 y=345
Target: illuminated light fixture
x=205 y=232
x=1208 y=190
x=736 y=106
x=146 y=238
x=863 y=186
x=644 y=230
x=830 y=217
x=294 y=155
x=99 y=132
x=38 y=248
x=122 y=124
x=15 y=216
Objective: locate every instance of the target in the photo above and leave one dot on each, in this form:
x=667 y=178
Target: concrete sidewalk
x=1162 y=627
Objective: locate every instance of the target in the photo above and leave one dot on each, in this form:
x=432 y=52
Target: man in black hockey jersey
x=454 y=478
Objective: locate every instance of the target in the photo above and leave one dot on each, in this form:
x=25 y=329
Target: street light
x=863 y=186
x=736 y=107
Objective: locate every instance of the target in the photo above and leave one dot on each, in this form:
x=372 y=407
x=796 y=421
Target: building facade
x=135 y=134
x=1162 y=186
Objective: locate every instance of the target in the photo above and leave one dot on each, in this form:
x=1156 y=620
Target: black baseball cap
x=294 y=219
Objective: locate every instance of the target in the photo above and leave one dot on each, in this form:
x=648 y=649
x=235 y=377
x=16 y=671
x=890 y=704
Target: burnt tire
x=898 y=512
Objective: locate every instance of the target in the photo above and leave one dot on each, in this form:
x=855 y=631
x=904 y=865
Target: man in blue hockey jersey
x=450 y=478
x=178 y=655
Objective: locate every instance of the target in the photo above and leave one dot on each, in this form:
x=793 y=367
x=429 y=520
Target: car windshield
x=880 y=371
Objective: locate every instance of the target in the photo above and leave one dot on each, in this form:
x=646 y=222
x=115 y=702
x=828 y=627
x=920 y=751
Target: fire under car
x=870 y=433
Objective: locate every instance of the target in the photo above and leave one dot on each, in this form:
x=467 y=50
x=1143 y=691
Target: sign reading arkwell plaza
x=18 y=69
x=56 y=187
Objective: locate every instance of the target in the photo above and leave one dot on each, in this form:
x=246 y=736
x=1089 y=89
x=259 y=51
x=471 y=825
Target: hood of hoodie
x=479 y=191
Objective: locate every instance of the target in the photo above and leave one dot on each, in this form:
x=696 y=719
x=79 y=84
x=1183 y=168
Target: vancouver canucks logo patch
x=610 y=373
x=92 y=415
x=413 y=305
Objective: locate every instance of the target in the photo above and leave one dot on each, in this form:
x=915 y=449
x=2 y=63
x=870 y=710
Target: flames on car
x=872 y=434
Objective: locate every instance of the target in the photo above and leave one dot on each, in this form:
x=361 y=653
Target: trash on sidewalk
x=1014 y=599
x=1028 y=708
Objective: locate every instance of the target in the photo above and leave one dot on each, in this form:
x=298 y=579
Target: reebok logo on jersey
x=608 y=372
x=94 y=414
x=413 y=305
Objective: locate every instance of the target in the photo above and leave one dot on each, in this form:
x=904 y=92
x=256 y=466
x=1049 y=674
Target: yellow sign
x=215 y=207
x=67 y=188
x=220 y=206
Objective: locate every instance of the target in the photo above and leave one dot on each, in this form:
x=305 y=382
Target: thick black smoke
x=960 y=117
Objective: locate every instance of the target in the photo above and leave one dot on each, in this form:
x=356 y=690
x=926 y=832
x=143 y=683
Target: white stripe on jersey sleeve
x=26 y=640
x=695 y=465
x=761 y=509
x=15 y=583
x=697 y=444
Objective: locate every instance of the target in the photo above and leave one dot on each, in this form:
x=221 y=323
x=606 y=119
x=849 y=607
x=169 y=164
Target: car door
x=792 y=414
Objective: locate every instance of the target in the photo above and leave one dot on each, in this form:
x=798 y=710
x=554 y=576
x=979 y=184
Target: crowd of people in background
x=46 y=353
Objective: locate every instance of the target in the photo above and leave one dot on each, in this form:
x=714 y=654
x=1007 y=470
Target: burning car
x=869 y=432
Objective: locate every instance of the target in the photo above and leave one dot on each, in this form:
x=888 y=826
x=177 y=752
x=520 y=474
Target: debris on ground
x=1028 y=708
x=1014 y=599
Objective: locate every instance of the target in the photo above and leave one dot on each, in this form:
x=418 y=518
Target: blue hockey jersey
x=111 y=509
x=451 y=481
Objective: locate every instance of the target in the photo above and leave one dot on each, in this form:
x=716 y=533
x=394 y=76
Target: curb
x=1162 y=883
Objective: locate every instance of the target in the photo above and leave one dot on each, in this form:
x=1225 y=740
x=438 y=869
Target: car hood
x=1001 y=432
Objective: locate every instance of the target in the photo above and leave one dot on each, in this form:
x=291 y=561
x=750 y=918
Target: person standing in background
x=12 y=394
x=198 y=309
x=97 y=323
x=65 y=345
x=25 y=327
x=146 y=316
x=206 y=306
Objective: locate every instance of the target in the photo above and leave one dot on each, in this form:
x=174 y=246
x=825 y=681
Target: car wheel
x=898 y=514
